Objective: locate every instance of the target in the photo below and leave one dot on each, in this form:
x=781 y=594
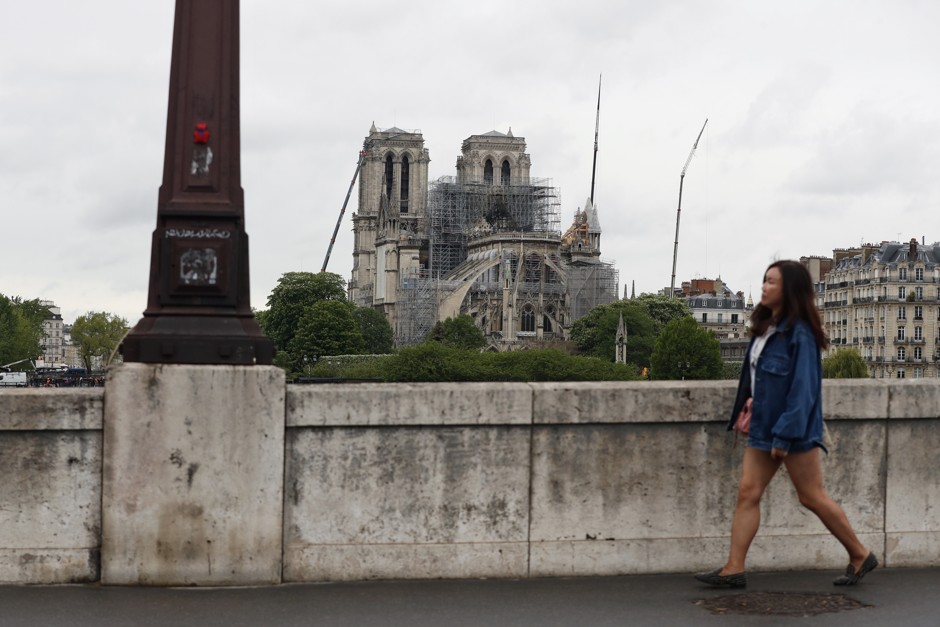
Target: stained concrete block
x=586 y=558
x=912 y=549
x=400 y=404
x=634 y=402
x=50 y=506
x=337 y=562
x=625 y=483
x=45 y=408
x=48 y=566
x=390 y=489
x=913 y=474
x=193 y=472
x=855 y=399
x=917 y=398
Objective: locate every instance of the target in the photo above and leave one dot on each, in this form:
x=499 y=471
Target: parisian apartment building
x=883 y=301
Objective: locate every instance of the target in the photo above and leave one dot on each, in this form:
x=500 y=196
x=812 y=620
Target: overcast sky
x=824 y=119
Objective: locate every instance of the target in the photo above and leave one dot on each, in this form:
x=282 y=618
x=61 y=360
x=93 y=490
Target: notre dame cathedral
x=486 y=243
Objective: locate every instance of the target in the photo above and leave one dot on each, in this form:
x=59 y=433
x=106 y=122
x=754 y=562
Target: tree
x=376 y=331
x=663 y=309
x=329 y=327
x=97 y=334
x=459 y=332
x=20 y=328
x=684 y=350
x=595 y=333
x=844 y=364
x=292 y=297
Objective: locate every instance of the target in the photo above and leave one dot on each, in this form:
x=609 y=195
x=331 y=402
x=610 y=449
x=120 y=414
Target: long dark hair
x=799 y=302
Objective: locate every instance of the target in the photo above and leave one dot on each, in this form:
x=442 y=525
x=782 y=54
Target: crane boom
x=675 y=249
x=329 y=250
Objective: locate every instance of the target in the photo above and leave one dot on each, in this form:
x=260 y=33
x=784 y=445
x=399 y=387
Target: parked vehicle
x=13 y=379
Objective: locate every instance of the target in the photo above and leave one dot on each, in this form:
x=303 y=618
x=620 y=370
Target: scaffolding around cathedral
x=592 y=284
x=458 y=211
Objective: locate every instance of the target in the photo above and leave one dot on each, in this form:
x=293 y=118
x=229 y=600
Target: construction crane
x=352 y=183
x=675 y=249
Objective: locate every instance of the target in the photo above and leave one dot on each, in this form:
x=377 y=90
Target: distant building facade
x=52 y=344
x=723 y=312
x=883 y=300
x=486 y=243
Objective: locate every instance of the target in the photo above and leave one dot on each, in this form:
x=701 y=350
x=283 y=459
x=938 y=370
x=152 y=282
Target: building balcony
x=868 y=340
x=881 y=340
x=918 y=340
x=865 y=299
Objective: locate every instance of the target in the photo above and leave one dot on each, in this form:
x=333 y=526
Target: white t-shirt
x=756 y=348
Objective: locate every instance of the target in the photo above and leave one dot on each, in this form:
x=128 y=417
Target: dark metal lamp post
x=198 y=306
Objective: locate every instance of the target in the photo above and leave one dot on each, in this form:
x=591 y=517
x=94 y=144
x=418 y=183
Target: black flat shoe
x=850 y=578
x=713 y=578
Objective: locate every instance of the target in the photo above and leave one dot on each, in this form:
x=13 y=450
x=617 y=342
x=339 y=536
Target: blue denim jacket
x=787 y=408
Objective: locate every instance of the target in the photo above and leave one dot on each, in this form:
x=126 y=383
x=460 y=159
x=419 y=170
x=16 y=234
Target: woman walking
x=781 y=386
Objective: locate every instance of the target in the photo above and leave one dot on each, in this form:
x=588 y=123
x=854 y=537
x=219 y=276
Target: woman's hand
x=778 y=453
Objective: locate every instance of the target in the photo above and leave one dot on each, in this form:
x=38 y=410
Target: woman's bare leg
x=805 y=472
x=757 y=470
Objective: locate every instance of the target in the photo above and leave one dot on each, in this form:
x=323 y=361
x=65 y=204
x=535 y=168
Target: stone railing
x=456 y=480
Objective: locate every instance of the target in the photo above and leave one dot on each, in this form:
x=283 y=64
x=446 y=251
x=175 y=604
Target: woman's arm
x=803 y=392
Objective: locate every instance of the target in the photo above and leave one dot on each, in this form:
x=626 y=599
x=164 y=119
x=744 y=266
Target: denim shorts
x=795 y=447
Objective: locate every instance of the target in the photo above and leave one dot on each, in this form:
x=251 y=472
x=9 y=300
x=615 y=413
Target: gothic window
x=488 y=172
x=504 y=173
x=528 y=319
x=389 y=176
x=405 y=168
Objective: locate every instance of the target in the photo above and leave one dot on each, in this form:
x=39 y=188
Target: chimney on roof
x=913 y=248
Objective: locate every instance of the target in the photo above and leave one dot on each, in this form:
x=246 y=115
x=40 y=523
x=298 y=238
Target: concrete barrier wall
x=505 y=480
x=50 y=485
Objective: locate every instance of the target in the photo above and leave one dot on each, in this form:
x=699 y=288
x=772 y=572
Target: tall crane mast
x=339 y=221
x=675 y=249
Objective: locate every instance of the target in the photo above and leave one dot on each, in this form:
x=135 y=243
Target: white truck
x=13 y=379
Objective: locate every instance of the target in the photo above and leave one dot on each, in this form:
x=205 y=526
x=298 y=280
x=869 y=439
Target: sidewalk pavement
x=906 y=597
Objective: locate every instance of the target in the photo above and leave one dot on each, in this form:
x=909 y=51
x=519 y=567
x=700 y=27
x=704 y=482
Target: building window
x=405 y=170
x=488 y=172
x=902 y=274
x=902 y=293
x=900 y=333
x=918 y=333
x=720 y=316
x=389 y=176
x=918 y=373
x=918 y=353
x=918 y=313
x=919 y=274
x=504 y=173
x=902 y=353
x=900 y=373
x=902 y=312
x=528 y=319
x=704 y=317
x=734 y=318
x=919 y=293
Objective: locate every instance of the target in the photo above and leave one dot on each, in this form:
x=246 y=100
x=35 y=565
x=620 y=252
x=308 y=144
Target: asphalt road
x=908 y=597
